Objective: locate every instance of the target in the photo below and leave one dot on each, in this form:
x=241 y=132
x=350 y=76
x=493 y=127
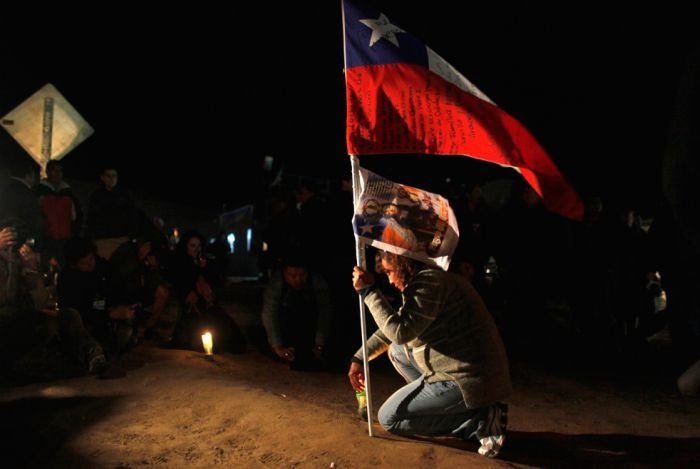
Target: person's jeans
x=422 y=408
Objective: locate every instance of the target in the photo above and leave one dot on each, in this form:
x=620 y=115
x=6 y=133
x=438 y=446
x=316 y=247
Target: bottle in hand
x=361 y=404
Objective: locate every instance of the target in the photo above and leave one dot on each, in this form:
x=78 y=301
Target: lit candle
x=207 y=343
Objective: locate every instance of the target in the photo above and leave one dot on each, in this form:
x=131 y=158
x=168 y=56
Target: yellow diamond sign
x=46 y=125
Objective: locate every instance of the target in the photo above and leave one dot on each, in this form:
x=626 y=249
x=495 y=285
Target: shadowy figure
x=194 y=280
x=86 y=285
x=297 y=314
x=63 y=216
x=19 y=202
x=138 y=278
x=38 y=340
x=112 y=217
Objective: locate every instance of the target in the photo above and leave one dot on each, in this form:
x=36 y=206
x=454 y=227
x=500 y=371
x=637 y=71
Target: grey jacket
x=450 y=333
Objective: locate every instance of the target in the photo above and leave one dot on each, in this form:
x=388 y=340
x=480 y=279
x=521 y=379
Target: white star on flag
x=366 y=229
x=382 y=28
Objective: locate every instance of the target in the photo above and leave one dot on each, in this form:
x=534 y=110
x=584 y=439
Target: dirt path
x=175 y=409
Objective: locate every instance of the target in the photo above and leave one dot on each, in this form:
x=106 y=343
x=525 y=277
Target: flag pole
x=362 y=262
x=359 y=253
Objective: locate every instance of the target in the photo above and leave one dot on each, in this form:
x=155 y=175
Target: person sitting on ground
x=38 y=341
x=85 y=284
x=297 y=313
x=194 y=279
x=138 y=279
x=443 y=341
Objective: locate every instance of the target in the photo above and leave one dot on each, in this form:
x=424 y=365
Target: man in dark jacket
x=19 y=202
x=112 y=217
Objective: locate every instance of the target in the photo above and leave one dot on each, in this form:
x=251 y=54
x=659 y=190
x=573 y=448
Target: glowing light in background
x=231 y=238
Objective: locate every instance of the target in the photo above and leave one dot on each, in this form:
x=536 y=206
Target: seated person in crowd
x=137 y=278
x=85 y=284
x=38 y=341
x=194 y=279
x=297 y=314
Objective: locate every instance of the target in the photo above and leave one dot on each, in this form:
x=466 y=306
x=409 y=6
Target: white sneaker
x=491 y=445
x=495 y=428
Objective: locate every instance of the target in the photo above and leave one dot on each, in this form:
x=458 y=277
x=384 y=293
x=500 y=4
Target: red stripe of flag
x=408 y=108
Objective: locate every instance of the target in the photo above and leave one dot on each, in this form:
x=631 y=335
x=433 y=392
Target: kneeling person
x=297 y=314
x=443 y=341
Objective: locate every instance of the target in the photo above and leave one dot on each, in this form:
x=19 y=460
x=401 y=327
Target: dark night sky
x=594 y=85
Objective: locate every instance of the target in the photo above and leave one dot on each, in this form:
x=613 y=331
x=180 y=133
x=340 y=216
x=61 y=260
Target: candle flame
x=208 y=343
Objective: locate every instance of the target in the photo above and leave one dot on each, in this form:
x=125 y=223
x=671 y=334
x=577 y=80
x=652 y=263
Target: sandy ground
x=174 y=409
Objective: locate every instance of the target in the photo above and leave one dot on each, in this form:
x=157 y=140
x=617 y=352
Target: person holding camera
x=38 y=340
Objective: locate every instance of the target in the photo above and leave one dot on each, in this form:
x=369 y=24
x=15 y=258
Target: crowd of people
x=117 y=271
x=84 y=289
x=81 y=287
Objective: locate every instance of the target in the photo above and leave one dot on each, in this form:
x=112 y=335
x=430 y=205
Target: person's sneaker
x=97 y=364
x=495 y=430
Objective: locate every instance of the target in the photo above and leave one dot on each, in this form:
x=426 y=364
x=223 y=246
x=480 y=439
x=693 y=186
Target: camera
x=22 y=234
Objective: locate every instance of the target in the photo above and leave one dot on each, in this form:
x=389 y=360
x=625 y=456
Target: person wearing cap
x=443 y=341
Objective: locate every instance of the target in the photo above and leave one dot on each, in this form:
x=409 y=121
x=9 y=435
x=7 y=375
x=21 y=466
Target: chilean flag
x=404 y=98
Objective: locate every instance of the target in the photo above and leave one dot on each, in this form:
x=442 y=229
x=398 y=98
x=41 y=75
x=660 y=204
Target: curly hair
x=403 y=267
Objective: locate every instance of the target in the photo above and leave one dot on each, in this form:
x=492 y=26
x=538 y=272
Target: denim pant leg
x=422 y=408
x=404 y=363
